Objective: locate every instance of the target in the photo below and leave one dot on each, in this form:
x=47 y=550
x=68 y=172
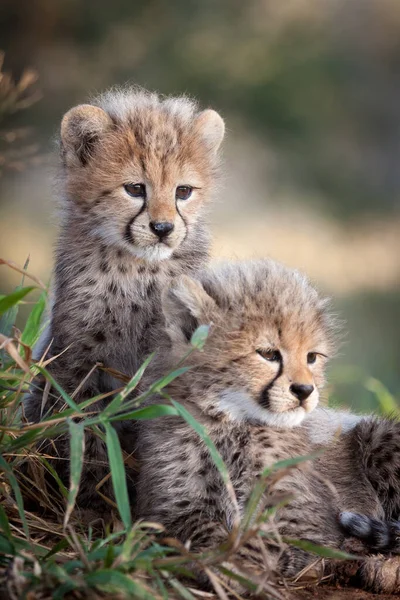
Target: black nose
x=301 y=391
x=161 y=229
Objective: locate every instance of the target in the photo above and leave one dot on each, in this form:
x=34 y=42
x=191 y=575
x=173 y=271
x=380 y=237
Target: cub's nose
x=161 y=229
x=301 y=391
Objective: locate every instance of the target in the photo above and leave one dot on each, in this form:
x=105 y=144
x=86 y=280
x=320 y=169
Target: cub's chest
x=269 y=446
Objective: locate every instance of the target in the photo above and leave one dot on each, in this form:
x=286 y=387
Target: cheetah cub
x=137 y=172
x=261 y=372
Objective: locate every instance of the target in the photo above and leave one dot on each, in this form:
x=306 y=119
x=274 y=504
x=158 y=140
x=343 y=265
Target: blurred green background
x=310 y=90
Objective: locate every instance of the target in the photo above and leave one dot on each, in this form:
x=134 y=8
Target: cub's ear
x=186 y=305
x=211 y=128
x=81 y=128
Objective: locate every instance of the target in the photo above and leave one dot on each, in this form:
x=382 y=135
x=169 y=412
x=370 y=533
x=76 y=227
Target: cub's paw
x=377 y=574
x=380 y=575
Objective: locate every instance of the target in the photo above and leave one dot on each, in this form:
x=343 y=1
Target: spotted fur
x=110 y=266
x=252 y=306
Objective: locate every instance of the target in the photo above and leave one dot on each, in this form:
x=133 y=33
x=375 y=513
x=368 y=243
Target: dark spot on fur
x=119 y=253
x=81 y=269
x=387 y=438
x=154 y=270
x=99 y=336
x=90 y=281
x=236 y=456
x=204 y=455
x=114 y=321
x=212 y=487
x=135 y=307
x=86 y=348
x=104 y=267
x=141 y=269
x=113 y=288
x=151 y=288
x=122 y=269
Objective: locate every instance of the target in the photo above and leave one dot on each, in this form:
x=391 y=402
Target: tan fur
x=253 y=306
x=110 y=266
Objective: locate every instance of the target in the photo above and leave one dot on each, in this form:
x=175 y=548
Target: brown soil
x=324 y=592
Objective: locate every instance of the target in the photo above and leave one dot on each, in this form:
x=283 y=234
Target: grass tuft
x=47 y=548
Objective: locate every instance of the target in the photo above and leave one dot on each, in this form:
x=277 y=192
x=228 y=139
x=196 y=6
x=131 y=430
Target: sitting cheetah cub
x=261 y=372
x=137 y=173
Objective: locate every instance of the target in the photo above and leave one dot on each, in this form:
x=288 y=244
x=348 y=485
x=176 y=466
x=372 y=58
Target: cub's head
x=270 y=338
x=140 y=168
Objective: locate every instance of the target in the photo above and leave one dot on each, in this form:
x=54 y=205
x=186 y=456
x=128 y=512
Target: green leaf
x=6 y=546
x=322 y=551
x=55 y=475
x=17 y=493
x=200 y=336
x=61 y=545
x=60 y=592
x=118 y=476
x=67 y=399
x=119 y=398
x=109 y=557
x=4 y=524
x=182 y=591
x=114 y=581
x=14 y=298
x=162 y=383
x=77 y=450
x=201 y=431
x=149 y=412
x=32 y=329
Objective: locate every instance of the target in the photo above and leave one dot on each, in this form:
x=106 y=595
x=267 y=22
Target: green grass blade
x=54 y=474
x=5 y=467
x=181 y=589
x=60 y=592
x=112 y=581
x=14 y=298
x=32 y=329
x=201 y=431
x=149 y=412
x=322 y=551
x=6 y=546
x=162 y=383
x=67 y=399
x=77 y=450
x=387 y=403
x=118 y=474
x=115 y=404
x=4 y=524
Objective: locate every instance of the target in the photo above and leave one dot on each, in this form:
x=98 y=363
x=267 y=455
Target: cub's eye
x=311 y=357
x=136 y=190
x=271 y=355
x=183 y=192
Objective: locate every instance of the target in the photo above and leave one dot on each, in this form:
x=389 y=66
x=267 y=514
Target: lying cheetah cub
x=137 y=171
x=262 y=369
